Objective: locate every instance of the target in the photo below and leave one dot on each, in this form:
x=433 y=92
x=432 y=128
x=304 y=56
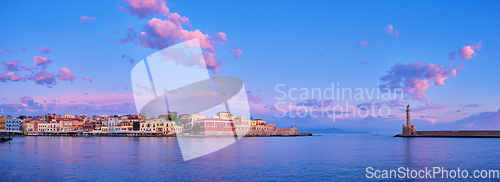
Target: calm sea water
x=326 y=157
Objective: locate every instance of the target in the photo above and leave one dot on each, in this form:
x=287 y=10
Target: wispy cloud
x=237 y=52
x=44 y=50
x=86 y=18
x=389 y=29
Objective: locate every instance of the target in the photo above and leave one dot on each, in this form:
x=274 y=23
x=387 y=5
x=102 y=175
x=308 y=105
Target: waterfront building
x=11 y=123
x=133 y=118
x=251 y=122
x=239 y=120
x=126 y=126
x=67 y=116
x=243 y=127
x=53 y=126
x=77 y=123
x=152 y=125
x=214 y=126
x=66 y=124
x=136 y=125
x=50 y=117
x=88 y=127
x=184 y=119
x=172 y=128
x=113 y=124
x=195 y=117
x=2 y=123
x=42 y=126
x=223 y=115
x=30 y=126
x=25 y=127
x=259 y=122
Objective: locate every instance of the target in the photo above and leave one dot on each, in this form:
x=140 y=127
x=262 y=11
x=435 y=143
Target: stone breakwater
x=457 y=134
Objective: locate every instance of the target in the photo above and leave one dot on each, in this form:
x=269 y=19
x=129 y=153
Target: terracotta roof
x=214 y=119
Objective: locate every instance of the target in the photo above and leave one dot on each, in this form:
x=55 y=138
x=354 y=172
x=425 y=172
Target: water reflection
x=329 y=157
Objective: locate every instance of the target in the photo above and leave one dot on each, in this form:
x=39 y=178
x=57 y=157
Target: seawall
x=456 y=134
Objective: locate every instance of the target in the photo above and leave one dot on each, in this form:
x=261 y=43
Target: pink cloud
x=211 y=62
x=1 y=52
x=72 y=102
x=146 y=8
x=44 y=50
x=26 y=99
x=489 y=120
x=159 y=33
x=428 y=102
x=467 y=52
x=26 y=68
x=452 y=56
x=222 y=36
x=65 y=75
x=364 y=63
x=86 y=18
x=414 y=78
x=454 y=73
x=88 y=79
x=220 y=39
x=14 y=77
x=237 y=52
x=42 y=61
x=11 y=65
x=30 y=103
x=3 y=77
x=363 y=44
x=391 y=31
x=253 y=98
x=149 y=8
x=23 y=48
x=42 y=77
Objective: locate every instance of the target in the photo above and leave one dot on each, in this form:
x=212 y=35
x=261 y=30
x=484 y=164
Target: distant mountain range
x=332 y=131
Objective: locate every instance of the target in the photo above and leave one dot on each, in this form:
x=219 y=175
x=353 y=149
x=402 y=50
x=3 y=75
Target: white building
x=11 y=124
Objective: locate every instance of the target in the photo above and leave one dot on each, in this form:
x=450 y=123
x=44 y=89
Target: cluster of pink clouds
x=237 y=52
x=363 y=44
x=72 y=102
x=88 y=79
x=415 y=78
x=159 y=33
x=466 y=52
x=9 y=50
x=253 y=98
x=86 y=18
x=42 y=61
x=44 y=50
x=41 y=76
x=391 y=31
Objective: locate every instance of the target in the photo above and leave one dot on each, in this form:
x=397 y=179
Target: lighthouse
x=408 y=130
x=408 y=115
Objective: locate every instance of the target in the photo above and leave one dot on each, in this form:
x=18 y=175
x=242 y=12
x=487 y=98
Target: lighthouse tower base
x=409 y=131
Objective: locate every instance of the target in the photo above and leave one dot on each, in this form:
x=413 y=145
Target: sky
x=76 y=57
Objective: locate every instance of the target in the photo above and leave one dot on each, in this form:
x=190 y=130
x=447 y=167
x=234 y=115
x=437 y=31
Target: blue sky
x=297 y=43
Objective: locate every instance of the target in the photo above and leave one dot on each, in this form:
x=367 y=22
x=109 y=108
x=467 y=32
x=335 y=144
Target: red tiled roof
x=214 y=119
